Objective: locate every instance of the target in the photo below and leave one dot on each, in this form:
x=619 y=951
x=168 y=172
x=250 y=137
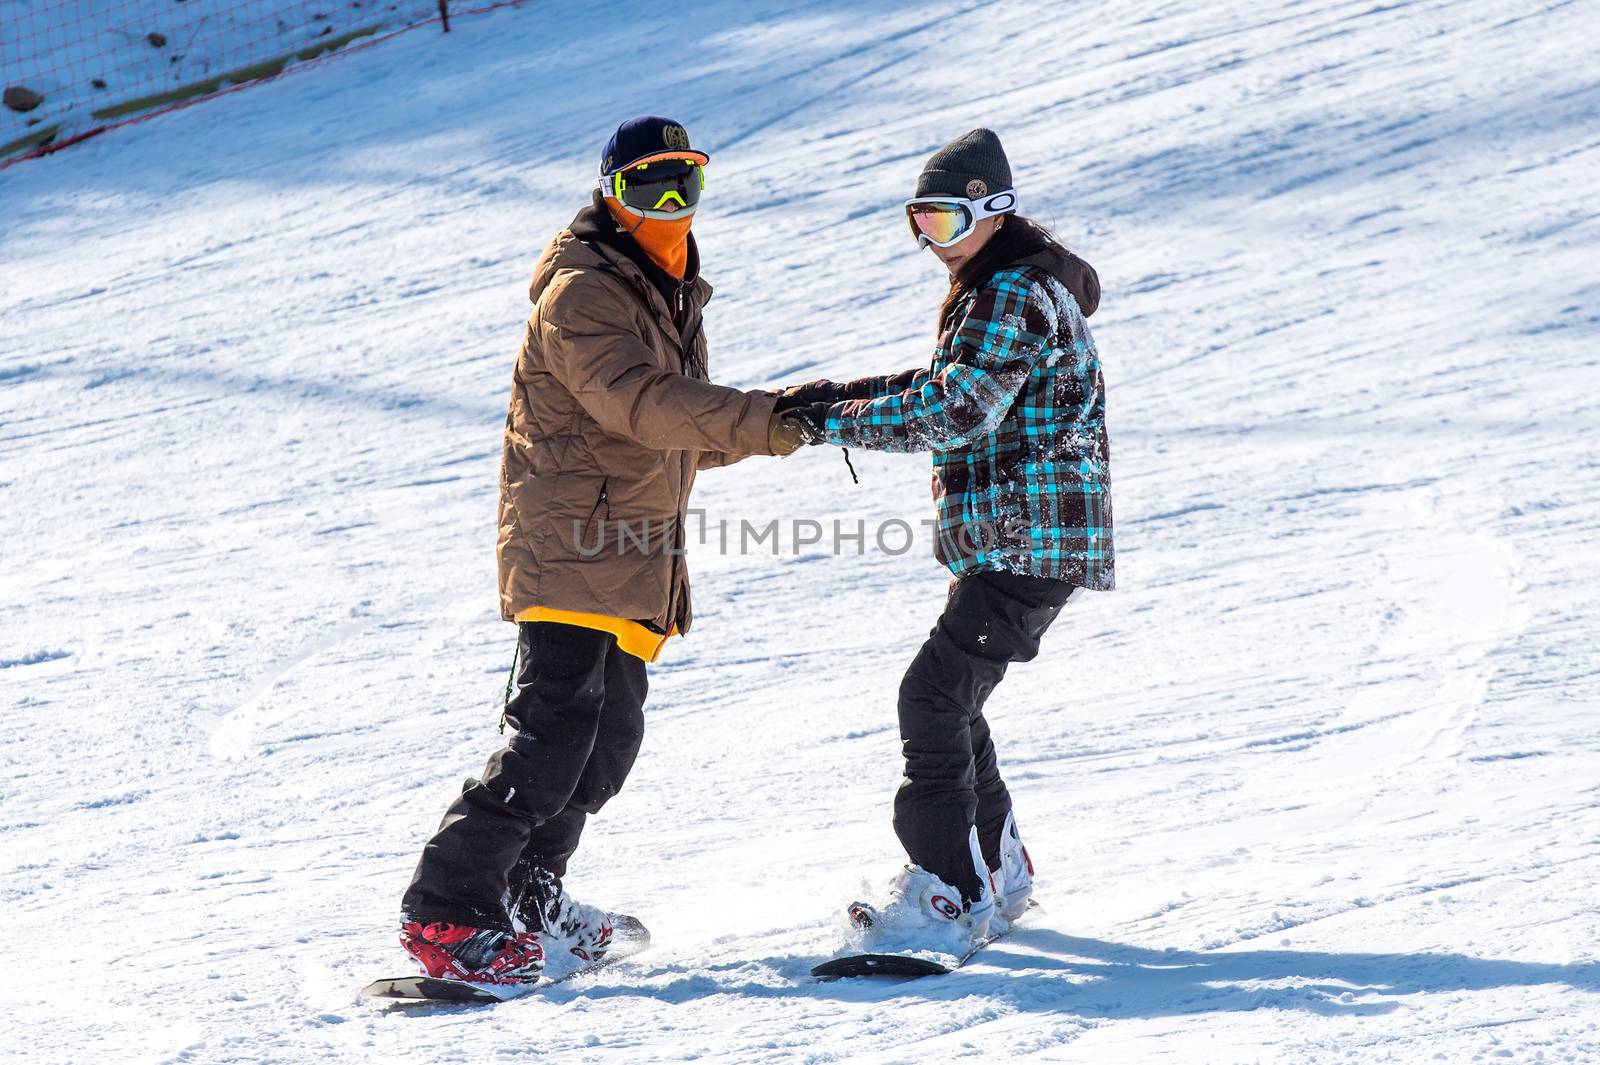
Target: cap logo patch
x=676 y=137
x=976 y=188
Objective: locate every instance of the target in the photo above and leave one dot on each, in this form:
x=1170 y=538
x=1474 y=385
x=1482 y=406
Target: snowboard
x=628 y=938
x=907 y=965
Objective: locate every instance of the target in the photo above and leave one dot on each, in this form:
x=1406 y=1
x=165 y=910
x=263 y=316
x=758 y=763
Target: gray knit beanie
x=973 y=165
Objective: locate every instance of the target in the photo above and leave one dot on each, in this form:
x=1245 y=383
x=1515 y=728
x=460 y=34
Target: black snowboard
x=629 y=937
x=905 y=964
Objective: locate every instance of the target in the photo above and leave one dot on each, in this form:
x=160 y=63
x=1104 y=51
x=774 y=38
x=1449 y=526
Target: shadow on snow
x=1044 y=971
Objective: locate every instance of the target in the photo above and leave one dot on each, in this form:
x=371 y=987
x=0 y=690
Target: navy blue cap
x=646 y=139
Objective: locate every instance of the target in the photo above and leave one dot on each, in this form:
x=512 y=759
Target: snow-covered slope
x=84 y=56
x=1320 y=782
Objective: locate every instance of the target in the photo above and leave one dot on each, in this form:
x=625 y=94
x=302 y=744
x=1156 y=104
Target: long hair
x=1017 y=238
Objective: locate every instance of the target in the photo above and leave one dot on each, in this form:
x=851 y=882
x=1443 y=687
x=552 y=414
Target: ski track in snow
x=1320 y=782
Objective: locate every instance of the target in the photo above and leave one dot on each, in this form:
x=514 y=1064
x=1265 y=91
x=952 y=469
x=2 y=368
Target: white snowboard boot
x=923 y=913
x=1013 y=881
x=566 y=925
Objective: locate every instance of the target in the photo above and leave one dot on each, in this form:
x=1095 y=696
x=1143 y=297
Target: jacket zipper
x=672 y=580
x=680 y=321
x=676 y=548
x=681 y=301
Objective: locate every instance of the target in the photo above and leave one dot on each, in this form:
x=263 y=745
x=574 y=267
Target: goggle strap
x=1002 y=202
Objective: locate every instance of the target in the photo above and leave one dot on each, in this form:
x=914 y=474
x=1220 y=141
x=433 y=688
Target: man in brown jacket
x=612 y=414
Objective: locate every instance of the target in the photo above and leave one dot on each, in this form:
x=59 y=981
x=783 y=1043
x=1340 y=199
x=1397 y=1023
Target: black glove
x=810 y=392
x=810 y=419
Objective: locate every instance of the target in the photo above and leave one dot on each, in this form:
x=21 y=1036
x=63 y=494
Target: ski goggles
x=944 y=220
x=664 y=188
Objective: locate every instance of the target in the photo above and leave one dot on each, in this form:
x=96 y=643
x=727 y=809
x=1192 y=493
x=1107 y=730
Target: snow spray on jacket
x=1013 y=408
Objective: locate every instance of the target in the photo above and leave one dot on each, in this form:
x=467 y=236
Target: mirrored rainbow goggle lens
x=939 y=222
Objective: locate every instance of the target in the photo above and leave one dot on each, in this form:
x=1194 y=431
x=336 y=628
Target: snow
x=1320 y=782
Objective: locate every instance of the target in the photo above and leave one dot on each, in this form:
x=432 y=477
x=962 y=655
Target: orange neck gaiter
x=666 y=241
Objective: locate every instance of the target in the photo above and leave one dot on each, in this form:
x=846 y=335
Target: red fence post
x=444 y=14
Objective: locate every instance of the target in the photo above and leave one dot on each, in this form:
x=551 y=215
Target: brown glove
x=786 y=435
x=790 y=430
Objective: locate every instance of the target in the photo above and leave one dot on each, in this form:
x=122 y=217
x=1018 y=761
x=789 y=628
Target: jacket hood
x=1078 y=276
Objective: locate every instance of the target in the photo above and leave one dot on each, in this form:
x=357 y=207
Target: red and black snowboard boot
x=474 y=955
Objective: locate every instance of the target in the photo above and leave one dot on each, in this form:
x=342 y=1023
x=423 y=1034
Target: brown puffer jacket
x=608 y=424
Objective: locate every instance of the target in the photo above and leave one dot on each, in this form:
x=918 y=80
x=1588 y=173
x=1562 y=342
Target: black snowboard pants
x=952 y=781
x=578 y=712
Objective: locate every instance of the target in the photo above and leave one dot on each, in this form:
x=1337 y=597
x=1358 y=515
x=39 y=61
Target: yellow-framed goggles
x=660 y=188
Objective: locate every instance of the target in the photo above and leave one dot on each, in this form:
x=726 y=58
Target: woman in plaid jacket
x=1013 y=410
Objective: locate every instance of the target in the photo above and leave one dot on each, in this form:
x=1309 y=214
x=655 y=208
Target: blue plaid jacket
x=1013 y=408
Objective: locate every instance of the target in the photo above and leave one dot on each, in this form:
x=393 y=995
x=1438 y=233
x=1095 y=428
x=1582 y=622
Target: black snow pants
x=578 y=712
x=952 y=781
